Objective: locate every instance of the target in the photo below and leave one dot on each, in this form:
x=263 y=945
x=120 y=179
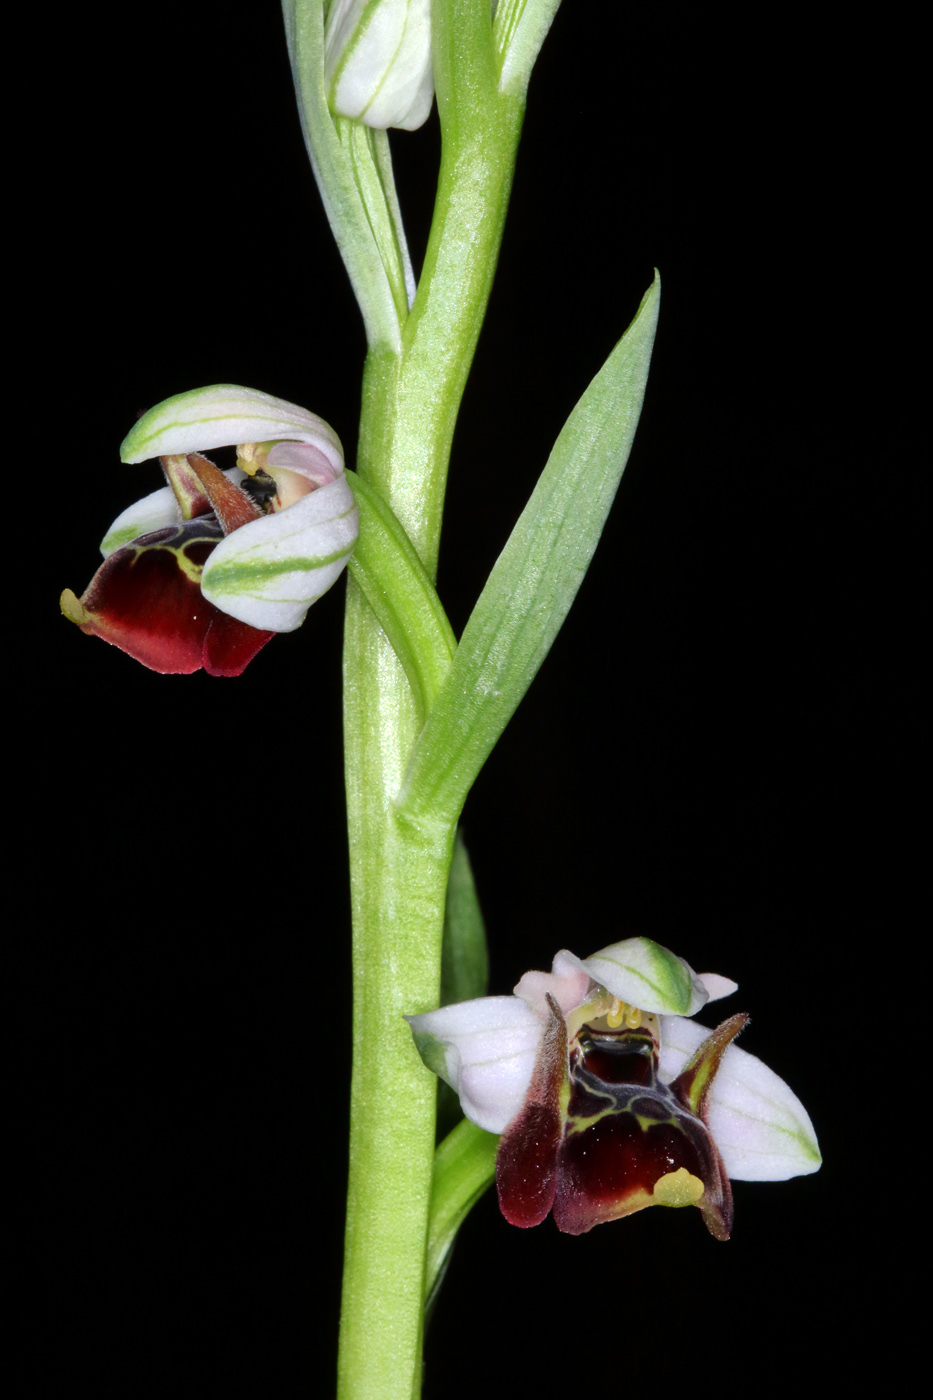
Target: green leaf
x=398 y=590
x=533 y=582
x=464 y=1166
x=370 y=160
x=464 y=960
x=519 y=29
x=348 y=180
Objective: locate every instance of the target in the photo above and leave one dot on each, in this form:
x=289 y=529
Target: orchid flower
x=206 y=570
x=608 y=1099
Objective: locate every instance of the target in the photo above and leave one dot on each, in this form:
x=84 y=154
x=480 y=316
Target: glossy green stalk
x=411 y=397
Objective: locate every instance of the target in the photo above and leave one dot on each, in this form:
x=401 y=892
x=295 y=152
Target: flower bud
x=377 y=61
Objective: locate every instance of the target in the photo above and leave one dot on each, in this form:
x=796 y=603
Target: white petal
x=718 y=986
x=152 y=512
x=642 y=973
x=305 y=459
x=377 y=61
x=485 y=1049
x=758 y=1123
x=223 y=415
x=268 y=573
x=567 y=982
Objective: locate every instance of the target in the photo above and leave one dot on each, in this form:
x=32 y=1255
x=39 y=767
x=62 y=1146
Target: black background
x=697 y=761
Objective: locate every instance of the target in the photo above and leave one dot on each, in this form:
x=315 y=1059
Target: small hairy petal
x=760 y=1126
x=526 y=1164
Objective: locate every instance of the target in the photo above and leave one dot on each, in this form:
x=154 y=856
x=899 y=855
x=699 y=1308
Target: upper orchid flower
x=206 y=570
x=609 y=1100
x=377 y=61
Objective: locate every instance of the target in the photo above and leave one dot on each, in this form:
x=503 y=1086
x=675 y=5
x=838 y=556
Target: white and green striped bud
x=377 y=61
x=269 y=571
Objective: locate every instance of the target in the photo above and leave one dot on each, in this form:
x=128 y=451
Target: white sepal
x=644 y=974
x=377 y=61
x=268 y=573
x=485 y=1050
x=223 y=415
x=758 y=1123
x=152 y=512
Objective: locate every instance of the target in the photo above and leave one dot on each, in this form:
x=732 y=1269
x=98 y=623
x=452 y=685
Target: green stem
x=405 y=442
x=398 y=868
x=398 y=885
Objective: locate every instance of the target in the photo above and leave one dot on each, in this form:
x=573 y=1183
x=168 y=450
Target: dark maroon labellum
x=600 y=1135
x=625 y=1130
x=146 y=599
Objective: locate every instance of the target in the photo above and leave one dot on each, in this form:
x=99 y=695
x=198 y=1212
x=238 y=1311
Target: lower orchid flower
x=608 y=1099
x=206 y=570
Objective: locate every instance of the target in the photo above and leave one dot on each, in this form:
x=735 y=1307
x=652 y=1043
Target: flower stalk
x=411 y=397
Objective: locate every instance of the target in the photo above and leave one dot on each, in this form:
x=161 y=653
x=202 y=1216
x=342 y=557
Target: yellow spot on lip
x=679 y=1188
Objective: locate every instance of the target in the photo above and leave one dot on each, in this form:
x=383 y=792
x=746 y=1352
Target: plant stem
x=398 y=884
x=399 y=868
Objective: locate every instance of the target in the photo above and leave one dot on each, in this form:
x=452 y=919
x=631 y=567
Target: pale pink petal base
x=568 y=983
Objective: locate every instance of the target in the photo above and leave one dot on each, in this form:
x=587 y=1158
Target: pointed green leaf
x=519 y=29
x=397 y=588
x=534 y=581
x=464 y=1166
x=464 y=959
x=345 y=195
x=465 y=962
